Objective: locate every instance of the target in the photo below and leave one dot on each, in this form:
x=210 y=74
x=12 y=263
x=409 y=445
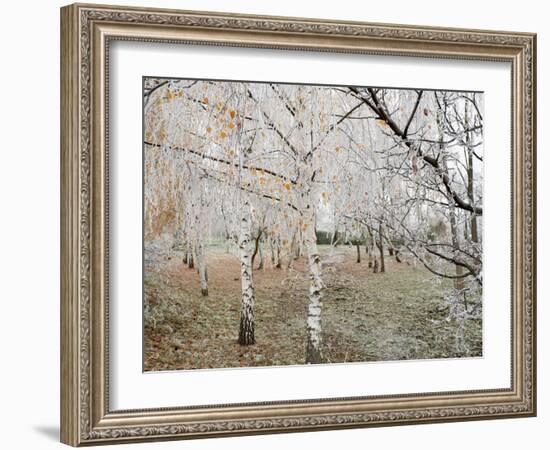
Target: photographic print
x=289 y=224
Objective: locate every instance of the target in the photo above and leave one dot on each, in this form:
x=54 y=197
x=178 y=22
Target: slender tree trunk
x=381 y=248
x=272 y=250
x=201 y=262
x=199 y=226
x=261 y=255
x=185 y=256
x=370 y=248
x=455 y=232
x=246 y=329
x=296 y=245
x=292 y=245
x=278 y=256
x=227 y=235
x=470 y=174
x=473 y=227
x=358 y=253
x=458 y=282
x=256 y=246
x=190 y=260
x=375 y=265
x=290 y=263
x=316 y=286
x=335 y=239
x=290 y=253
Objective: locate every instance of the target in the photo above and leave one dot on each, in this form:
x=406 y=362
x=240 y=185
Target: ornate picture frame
x=87 y=31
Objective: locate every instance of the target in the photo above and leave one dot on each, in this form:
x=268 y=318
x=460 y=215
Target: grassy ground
x=400 y=314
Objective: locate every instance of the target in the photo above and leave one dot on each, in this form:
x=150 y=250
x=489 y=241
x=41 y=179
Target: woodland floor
x=397 y=315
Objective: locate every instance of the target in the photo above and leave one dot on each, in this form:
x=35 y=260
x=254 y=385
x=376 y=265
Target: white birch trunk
x=278 y=254
x=272 y=250
x=246 y=329
x=201 y=263
x=199 y=226
x=261 y=256
x=316 y=286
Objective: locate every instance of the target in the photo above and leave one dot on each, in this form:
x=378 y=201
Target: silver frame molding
x=86 y=31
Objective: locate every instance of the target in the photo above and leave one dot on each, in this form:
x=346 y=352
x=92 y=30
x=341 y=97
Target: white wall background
x=29 y=223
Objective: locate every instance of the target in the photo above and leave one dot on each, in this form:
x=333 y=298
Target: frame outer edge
x=78 y=392
x=70 y=299
x=533 y=180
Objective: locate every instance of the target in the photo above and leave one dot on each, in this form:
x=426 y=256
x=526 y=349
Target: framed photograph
x=276 y=224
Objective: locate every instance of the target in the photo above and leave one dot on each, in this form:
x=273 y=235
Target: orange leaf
x=205 y=100
x=232 y=114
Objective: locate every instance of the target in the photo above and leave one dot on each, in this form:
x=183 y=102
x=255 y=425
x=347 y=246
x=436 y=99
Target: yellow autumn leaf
x=223 y=134
x=209 y=130
x=231 y=125
x=161 y=132
x=287 y=186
